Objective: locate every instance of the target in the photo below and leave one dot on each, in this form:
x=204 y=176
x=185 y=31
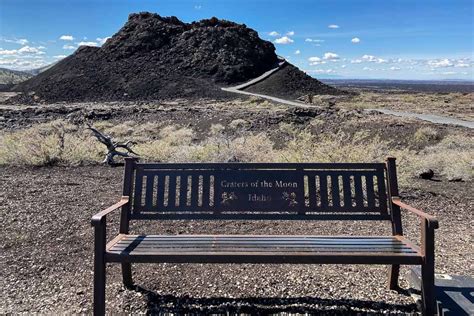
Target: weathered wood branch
x=112 y=147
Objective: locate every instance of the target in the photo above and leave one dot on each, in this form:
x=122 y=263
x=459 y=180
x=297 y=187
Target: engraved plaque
x=259 y=190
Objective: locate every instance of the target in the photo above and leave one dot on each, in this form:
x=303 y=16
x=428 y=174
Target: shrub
x=425 y=135
x=61 y=143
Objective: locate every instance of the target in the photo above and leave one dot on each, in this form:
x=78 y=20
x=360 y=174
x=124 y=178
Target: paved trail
x=427 y=117
x=238 y=89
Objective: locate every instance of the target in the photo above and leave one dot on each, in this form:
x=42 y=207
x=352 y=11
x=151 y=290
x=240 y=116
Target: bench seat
x=262 y=249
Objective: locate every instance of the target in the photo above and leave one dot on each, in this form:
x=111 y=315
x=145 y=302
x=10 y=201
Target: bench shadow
x=169 y=304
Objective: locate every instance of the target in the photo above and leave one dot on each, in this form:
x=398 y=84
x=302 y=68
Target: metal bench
x=258 y=191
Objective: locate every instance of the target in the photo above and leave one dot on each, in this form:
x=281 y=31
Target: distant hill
x=154 y=57
x=36 y=71
x=10 y=77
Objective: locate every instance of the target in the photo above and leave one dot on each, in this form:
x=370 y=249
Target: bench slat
x=323 y=189
x=256 y=248
x=369 y=181
x=179 y=243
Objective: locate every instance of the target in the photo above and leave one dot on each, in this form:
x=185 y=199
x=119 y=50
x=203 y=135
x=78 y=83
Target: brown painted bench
x=257 y=191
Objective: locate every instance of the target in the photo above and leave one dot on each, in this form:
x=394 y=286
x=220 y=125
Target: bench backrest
x=256 y=190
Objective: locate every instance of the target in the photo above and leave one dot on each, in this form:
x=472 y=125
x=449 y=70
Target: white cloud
x=449 y=73
x=66 y=37
x=60 y=56
x=367 y=68
x=323 y=71
x=102 y=40
x=283 y=40
x=87 y=44
x=395 y=68
x=310 y=40
x=462 y=64
x=198 y=7
x=343 y=66
x=440 y=63
x=274 y=33
x=290 y=33
x=313 y=61
x=69 y=47
x=330 y=56
x=8 y=52
x=447 y=63
x=356 y=61
x=333 y=26
x=369 y=58
x=21 y=63
x=373 y=59
x=21 y=41
x=30 y=50
x=297 y=52
x=355 y=40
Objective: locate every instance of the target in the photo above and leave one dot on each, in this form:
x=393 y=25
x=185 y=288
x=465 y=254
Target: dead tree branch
x=112 y=147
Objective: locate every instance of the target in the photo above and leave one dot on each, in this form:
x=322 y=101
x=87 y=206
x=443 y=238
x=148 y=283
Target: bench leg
x=428 y=289
x=99 y=272
x=393 y=273
x=127 y=275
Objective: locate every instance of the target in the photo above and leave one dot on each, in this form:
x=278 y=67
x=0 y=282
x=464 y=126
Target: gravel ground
x=47 y=242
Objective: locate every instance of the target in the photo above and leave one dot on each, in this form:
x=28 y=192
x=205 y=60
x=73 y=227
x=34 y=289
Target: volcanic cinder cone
x=154 y=57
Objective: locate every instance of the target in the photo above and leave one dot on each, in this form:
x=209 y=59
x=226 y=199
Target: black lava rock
x=154 y=57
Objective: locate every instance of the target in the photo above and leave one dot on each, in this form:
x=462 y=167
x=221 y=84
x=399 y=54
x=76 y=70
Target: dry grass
x=457 y=105
x=61 y=143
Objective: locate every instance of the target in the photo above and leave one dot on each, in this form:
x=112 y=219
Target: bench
x=259 y=191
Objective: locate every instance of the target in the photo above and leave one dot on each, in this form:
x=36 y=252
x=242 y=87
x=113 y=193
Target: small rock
x=426 y=174
x=456 y=179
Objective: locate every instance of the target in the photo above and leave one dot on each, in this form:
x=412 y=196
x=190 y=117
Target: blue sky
x=398 y=39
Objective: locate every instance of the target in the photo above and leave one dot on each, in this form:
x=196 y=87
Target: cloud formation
x=8 y=52
x=290 y=33
x=102 y=40
x=274 y=33
x=355 y=40
x=333 y=26
x=283 y=40
x=330 y=56
x=313 y=61
x=310 y=40
x=66 y=38
x=297 y=52
x=25 y=50
x=21 y=41
x=94 y=44
x=373 y=59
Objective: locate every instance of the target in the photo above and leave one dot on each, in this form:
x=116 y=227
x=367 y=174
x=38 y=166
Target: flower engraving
x=227 y=197
x=291 y=198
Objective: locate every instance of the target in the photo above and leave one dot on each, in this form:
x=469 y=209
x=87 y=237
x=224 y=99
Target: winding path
x=437 y=119
x=427 y=117
x=238 y=89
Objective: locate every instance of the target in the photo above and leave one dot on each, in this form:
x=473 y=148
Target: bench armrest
x=98 y=218
x=430 y=219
